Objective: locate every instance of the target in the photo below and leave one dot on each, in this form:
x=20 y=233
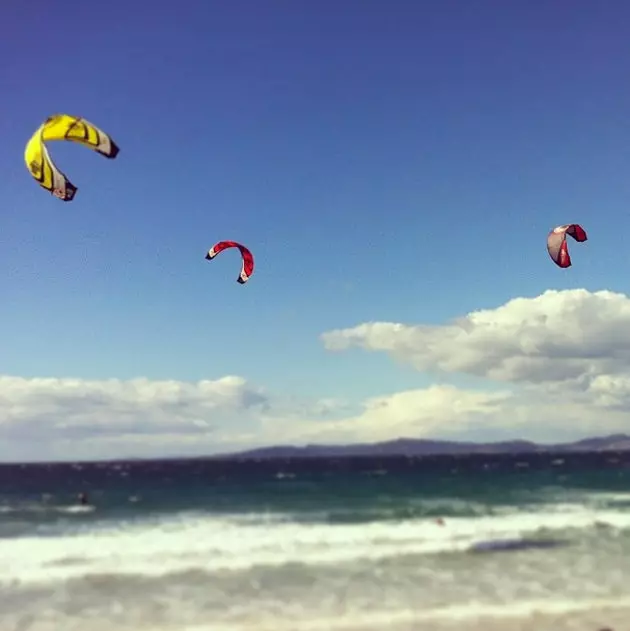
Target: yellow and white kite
x=63 y=127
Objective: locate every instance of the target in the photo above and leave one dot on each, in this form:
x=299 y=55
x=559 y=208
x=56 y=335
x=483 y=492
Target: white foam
x=39 y=508
x=81 y=508
x=202 y=542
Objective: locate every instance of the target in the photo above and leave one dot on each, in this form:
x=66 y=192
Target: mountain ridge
x=425 y=447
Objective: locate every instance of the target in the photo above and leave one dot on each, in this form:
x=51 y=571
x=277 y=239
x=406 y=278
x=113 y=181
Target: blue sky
x=398 y=161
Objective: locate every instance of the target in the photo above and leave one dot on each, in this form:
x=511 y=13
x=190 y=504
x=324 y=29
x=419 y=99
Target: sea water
x=321 y=544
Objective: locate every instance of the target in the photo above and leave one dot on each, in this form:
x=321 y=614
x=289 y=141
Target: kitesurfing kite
x=63 y=127
x=557 y=243
x=247 y=268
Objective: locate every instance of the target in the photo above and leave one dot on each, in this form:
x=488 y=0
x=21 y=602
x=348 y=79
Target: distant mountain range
x=419 y=447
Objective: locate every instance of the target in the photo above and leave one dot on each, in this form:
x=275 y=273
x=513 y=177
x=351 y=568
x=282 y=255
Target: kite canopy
x=63 y=127
x=557 y=243
x=247 y=269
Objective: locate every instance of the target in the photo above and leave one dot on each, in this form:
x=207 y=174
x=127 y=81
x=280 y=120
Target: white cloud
x=434 y=411
x=562 y=359
x=49 y=414
x=451 y=413
x=63 y=418
x=566 y=355
x=560 y=337
x=51 y=419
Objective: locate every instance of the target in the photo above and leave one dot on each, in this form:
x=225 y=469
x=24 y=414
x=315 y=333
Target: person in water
x=83 y=499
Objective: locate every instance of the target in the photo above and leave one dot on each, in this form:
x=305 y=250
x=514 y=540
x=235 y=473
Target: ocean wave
x=199 y=541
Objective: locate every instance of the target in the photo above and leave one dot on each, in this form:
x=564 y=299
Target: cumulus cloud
x=447 y=412
x=433 y=411
x=45 y=412
x=570 y=338
x=562 y=360
x=114 y=406
x=71 y=419
x=565 y=356
x=63 y=418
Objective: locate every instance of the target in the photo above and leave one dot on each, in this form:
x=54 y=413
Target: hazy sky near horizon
x=395 y=169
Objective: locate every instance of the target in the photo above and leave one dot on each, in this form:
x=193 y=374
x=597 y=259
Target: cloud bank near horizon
x=561 y=363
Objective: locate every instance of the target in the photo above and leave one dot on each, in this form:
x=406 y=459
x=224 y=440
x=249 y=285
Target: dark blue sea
x=534 y=542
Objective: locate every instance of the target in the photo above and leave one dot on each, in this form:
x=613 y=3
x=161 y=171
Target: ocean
x=353 y=544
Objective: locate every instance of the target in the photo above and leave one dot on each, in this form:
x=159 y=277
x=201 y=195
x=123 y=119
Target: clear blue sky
x=398 y=160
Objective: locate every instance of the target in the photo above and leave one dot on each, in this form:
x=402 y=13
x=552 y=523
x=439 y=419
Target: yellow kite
x=63 y=127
